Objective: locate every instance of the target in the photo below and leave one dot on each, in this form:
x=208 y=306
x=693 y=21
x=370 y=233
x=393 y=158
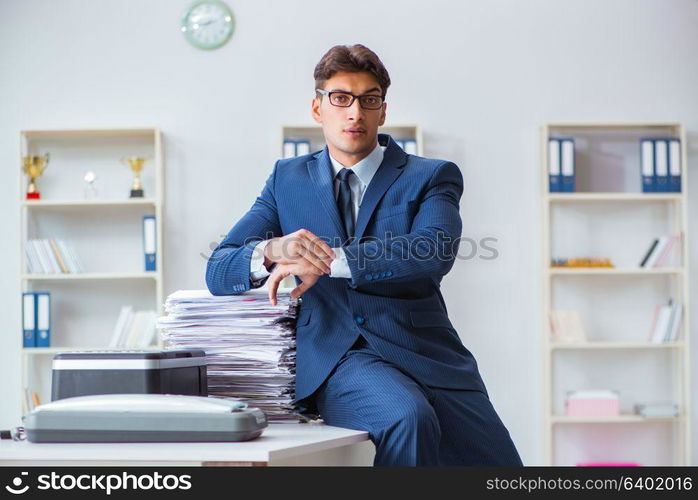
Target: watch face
x=208 y=24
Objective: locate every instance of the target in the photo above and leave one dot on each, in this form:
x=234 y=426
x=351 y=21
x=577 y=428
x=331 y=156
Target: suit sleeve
x=228 y=267
x=428 y=250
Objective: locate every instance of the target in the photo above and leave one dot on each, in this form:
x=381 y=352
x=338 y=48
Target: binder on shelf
x=296 y=147
x=674 y=166
x=302 y=147
x=289 y=148
x=554 y=165
x=28 y=319
x=647 y=165
x=43 y=319
x=149 y=242
x=567 y=167
x=410 y=146
x=661 y=166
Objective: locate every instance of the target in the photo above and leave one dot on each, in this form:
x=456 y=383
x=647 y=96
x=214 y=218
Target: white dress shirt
x=364 y=170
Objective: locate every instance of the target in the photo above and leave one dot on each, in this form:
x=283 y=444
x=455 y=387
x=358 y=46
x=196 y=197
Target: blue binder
x=302 y=147
x=554 y=165
x=647 y=165
x=567 y=166
x=410 y=146
x=661 y=165
x=674 y=165
x=28 y=319
x=149 y=242
x=43 y=319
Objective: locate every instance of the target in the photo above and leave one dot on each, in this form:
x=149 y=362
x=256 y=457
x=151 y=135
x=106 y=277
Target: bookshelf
x=106 y=231
x=609 y=216
x=317 y=139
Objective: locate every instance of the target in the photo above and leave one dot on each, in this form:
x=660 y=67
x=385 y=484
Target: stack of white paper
x=250 y=344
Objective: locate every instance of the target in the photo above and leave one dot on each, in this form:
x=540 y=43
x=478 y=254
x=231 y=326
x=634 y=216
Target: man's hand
x=283 y=270
x=300 y=247
x=300 y=253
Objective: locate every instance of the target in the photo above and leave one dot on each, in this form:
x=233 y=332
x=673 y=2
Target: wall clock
x=208 y=24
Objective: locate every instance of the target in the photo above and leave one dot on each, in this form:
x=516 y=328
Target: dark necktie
x=344 y=201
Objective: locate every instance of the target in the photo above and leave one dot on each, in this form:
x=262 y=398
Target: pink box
x=608 y=464
x=592 y=407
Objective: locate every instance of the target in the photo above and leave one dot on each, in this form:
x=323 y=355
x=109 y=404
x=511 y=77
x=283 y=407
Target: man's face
x=351 y=133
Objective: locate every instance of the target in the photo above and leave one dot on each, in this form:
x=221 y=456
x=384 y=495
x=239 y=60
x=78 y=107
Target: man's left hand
x=283 y=270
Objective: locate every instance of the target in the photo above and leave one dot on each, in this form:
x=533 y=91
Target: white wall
x=480 y=77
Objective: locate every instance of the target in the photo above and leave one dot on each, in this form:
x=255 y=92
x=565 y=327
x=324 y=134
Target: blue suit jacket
x=406 y=238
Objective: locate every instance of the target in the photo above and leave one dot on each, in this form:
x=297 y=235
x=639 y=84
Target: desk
x=281 y=444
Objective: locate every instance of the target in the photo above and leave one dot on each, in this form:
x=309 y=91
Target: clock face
x=208 y=24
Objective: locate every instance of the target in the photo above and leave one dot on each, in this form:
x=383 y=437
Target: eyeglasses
x=346 y=99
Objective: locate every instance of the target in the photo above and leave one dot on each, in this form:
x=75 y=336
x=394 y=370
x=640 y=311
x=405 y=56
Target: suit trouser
x=408 y=422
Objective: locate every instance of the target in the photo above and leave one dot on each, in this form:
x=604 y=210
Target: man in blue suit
x=368 y=232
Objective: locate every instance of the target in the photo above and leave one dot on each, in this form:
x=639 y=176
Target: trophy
x=136 y=164
x=90 y=190
x=34 y=166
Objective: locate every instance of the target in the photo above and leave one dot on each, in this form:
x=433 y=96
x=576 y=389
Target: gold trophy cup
x=34 y=166
x=136 y=164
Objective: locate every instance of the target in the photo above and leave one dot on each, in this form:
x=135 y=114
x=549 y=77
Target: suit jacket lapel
x=394 y=158
x=322 y=175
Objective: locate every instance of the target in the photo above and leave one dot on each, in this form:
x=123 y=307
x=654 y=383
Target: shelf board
x=614 y=125
x=621 y=419
x=87 y=133
x=91 y=276
x=39 y=351
x=614 y=271
x=574 y=197
x=614 y=345
x=128 y=202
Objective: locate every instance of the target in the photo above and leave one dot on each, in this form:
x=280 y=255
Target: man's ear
x=385 y=106
x=315 y=110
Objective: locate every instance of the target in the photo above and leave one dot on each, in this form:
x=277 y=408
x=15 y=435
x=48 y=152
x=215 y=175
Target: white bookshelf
x=105 y=231
x=609 y=216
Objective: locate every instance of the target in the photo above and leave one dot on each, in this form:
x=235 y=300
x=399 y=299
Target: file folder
x=289 y=148
x=647 y=165
x=567 y=167
x=43 y=319
x=302 y=147
x=661 y=167
x=410 y=146
x=28 y=319
x=149 y=242
x=554 y=165
x=674 y=166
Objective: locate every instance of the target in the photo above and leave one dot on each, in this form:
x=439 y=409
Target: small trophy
x=34 y=166
x=136 y=164
x=90 y=190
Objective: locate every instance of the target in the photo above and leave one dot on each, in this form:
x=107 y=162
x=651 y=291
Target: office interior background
x=480 y=81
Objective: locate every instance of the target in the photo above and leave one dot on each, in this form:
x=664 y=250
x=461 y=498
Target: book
x=566 y=326
x=118 y=331
x=59 y=256
x=663 y=251
x=665 y=323
x=654 y=244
